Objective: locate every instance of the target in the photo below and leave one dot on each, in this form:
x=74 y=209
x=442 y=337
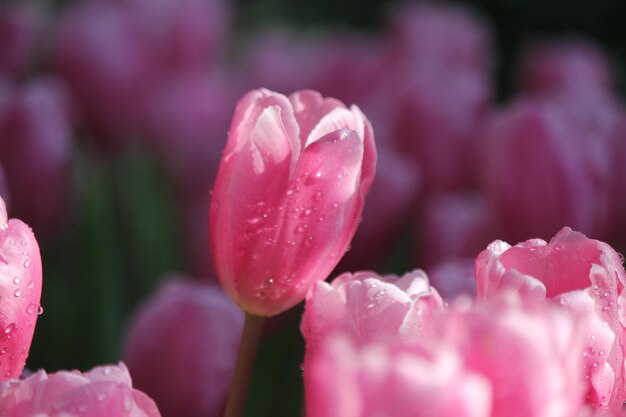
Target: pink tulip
x=453 y=278
x=565 y=65
x=543 y=163
x=184 y=34
x=369 y=308
x=393 y=194
x=582 y=275
x=393 y=380
x=102 y=392
x=107 y=66
x=36 y=151
x=20 y=293
x=18 y=27
x=187 y=116
x=439 y=36
x=531 y=354
x=181 y=348
x=453 y=225
x=288 y=196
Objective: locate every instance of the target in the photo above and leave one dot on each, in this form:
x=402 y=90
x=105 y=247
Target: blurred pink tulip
x=543 y=163
x=181 y=348
x=347 y=380
x=369 y=307
x=453 y=278
x=438 y=36
x=20 y=293
x=102 y=392
x=184 y=34
x=565 y=65
x=582 y=275
x=288 y=196
x=18 y=30
x=390 y=200
x=36 y=151
x=107 y=66
x=438 y=73
x=453 y=225
x=187 y=116
x=531 y=354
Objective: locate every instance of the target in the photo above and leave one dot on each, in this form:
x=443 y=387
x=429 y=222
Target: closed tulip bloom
x=542 y=167
x=581 y=275
x=181 y=348
x=565 y=65
x=288 y=196
x=20 y=293
x=393 y=380
x=369 y=308
x=102 y=392
x=36 y=151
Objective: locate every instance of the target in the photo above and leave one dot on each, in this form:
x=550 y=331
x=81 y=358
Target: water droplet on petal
x=31 y=308
x=17 y=293
x=17 y=280
x=40 y=310
x=8 y=331
x=27 y=263
x=30 y=285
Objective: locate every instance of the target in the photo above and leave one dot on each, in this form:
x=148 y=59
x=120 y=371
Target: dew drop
x=3 y=226
x=17 y=280
x=621 y=257
x=4 y=350
x=30 y=285
x=40 y=310
x=8 y=331
x=27 y=263
x=31 y=308
x=107 y=371
x=17 y=293
x=254 y=220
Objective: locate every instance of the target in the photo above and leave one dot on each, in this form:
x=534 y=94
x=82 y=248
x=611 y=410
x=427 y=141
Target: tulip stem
x=250 y=338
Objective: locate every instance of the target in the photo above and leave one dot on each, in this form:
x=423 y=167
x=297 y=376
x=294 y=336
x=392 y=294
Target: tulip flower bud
x=102 y=392
x=543 y=162
x=181 y=348
x=582 y=275
x=565 y=65
x=288 y=196
x=20 y=293
x=36 y=151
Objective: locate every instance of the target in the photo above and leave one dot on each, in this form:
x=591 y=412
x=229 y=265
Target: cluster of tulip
x=534 y=329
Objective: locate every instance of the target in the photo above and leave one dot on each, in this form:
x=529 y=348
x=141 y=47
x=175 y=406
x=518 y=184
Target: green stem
x=252 y=327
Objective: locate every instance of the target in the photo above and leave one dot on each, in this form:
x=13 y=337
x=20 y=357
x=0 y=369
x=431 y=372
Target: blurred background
x=494 y=119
